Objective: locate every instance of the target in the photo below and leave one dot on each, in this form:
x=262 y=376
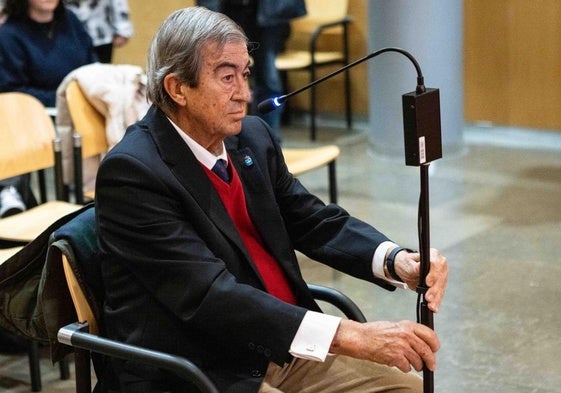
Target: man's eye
x=246 y=75
x=228 y=77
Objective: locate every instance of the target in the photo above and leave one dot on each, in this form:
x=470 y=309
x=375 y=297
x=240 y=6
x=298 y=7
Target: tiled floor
x=496 y=215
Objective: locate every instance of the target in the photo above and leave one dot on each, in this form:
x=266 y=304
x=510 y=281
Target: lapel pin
x=248 y=161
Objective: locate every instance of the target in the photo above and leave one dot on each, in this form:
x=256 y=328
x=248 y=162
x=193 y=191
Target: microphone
x=271 y=104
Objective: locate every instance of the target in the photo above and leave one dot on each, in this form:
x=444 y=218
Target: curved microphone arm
x=271 y=104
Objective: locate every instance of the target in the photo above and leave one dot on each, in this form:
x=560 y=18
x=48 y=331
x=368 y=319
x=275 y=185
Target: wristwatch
x=391 y=259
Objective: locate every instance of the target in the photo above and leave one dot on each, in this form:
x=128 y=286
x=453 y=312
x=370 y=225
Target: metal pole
x=426 y=315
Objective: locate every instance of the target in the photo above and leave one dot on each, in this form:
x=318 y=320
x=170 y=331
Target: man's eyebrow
x=228 y=64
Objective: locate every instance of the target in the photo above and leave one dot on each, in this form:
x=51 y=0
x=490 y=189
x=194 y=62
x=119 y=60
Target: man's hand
x=407 y=266
x=402 y=344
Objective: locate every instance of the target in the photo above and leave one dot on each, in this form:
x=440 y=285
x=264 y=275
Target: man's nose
x=243 y=92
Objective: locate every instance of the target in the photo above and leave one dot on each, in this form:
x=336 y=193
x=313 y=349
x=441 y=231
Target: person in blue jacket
x=40 y=43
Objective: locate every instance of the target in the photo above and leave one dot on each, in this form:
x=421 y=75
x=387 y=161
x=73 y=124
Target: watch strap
x=390 y=262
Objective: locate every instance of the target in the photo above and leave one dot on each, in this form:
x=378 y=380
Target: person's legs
x=265 y=78
x=16 y=195
x=339 y=374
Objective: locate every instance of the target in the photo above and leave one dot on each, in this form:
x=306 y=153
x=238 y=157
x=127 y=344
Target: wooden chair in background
x=89 y=138
x=303 y=53
x=302 y=160
x=29 y=144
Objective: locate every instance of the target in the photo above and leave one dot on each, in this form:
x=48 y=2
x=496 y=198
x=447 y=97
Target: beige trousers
x=338 y=374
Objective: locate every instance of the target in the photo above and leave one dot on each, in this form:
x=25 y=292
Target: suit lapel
x=185 y=167
x=182 y=162
x=258 y=197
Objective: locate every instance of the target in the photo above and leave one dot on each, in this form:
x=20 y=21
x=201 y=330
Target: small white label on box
x=422 y=151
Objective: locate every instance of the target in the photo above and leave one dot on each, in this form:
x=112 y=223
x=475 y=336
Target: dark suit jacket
x=177 y=275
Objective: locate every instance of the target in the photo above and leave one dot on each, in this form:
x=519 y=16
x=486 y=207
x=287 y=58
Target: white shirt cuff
x=378 y=264
x=314 y=336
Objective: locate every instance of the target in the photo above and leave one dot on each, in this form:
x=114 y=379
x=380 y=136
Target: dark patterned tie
x=221 y=170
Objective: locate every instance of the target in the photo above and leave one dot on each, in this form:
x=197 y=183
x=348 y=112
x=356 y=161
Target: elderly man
x=201 y=262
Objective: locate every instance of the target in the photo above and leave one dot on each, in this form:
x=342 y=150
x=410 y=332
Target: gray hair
x=177 y=49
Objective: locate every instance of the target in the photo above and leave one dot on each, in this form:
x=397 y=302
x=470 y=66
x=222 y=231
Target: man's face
x=215 y=108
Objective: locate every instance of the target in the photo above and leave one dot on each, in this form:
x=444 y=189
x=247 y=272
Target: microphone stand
x=424 y=314
x=421 y=118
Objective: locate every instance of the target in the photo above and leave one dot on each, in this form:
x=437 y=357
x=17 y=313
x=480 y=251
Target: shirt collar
x=201 y=154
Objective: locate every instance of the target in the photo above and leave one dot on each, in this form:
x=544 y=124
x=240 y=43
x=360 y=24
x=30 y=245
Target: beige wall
x=148 y=15
x=512 y=59
x=513 y=62
x=330 y=93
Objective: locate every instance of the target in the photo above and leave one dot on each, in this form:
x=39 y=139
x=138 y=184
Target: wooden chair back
x=83 y=309
x=27 y=135
x=90 y=138
x=88 y=122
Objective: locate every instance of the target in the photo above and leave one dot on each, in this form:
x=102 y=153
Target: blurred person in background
x=108 y=23
x=40 y=43
x=269 y=30
x=2 y=15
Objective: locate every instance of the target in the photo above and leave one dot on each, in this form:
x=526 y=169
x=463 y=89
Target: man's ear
x=175 y=89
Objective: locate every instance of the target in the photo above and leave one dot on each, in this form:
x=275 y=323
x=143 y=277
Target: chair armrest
x=338 y=22
x=324 y=26
x=74 y=336
x=339 y=300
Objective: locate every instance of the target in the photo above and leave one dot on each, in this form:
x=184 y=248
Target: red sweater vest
x=233 y=198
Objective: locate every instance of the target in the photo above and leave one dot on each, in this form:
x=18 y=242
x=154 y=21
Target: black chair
x=75 y=246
